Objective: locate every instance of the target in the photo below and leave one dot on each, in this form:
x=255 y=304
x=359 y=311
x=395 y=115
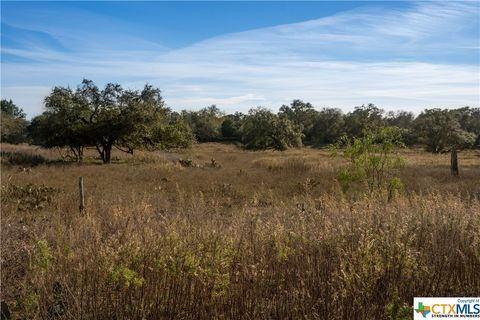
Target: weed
x=21 y=159
x=43 y=255
x=283 y=250
x=186 y=163
x=126 y=277
x=29 y=197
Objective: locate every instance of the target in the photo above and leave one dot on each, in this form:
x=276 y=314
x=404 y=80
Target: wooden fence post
x=82 y=195
x=454 y=162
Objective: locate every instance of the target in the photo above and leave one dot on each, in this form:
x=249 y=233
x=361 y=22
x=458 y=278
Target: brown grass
x=268 y=235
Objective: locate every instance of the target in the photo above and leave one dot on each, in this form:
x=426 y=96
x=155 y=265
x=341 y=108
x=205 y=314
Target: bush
x=175 y=135
x=373 y=162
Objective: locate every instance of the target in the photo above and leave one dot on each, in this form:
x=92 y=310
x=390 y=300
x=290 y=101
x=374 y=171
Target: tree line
x=125 y=119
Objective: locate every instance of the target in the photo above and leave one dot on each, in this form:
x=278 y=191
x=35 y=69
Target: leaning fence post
x=82 y=195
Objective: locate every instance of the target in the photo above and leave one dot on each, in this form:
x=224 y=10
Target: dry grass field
x=260 y=235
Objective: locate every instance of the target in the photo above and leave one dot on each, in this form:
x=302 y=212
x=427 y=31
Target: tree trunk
x=454 y=162
x=108 y=153
x=105 y=151
x=101 y=151
x=80 y=154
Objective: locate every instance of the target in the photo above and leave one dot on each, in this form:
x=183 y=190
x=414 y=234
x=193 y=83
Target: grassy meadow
x=250 y=235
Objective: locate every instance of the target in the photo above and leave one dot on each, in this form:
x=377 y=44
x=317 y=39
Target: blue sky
x=399 y=55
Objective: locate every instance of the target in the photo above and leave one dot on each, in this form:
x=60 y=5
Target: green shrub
x=43 y=255
x=126 y=277
x=372 y=161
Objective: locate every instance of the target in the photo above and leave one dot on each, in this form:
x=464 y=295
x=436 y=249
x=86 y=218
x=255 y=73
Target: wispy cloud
x=422 y=56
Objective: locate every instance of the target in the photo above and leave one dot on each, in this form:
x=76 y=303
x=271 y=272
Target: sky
x=404 y=55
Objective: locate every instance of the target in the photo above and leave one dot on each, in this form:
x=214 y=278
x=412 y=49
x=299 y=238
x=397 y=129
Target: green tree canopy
x=440 y=130
x=301 y=114
x=404 y=121
x=469 y=120
x=231 y=126
x=13 y=122
x=205 y=123
x=107 y=118
x=263 y=129
x=363 y=118
x=328 y=127
x=11 y=109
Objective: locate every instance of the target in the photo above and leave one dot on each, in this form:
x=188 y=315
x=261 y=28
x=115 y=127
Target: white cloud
x=344 y=60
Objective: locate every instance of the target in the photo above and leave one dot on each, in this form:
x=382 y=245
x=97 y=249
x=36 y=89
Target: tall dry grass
x=267 y=235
